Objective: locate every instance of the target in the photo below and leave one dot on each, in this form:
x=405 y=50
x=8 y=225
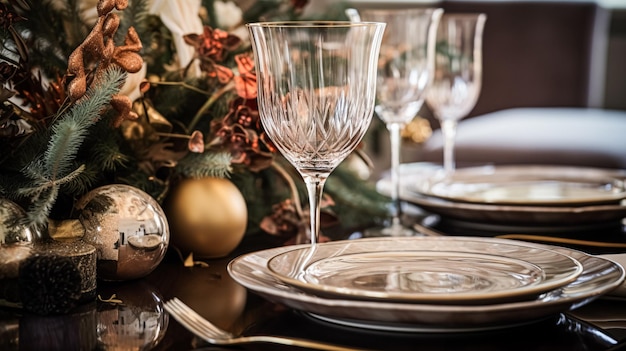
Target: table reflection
x=130 y=316
x=74 y=331
x=559 y=332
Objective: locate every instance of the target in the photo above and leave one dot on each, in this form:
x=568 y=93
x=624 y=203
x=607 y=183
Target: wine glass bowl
x=319 y=138
x=405 y=66
x=458 y=75
x=405 y=72
x=316 y=92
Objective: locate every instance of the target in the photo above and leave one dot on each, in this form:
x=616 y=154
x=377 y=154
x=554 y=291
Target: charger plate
x=599 y=277
x=531 y=185
x=430 y=270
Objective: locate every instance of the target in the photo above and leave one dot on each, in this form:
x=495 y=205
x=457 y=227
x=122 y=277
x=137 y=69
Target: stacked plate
x=434 y=284
x=524 y=198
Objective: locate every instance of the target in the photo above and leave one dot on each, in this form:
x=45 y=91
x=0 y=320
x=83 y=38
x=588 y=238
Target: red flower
x=245 y=82
x=285 y=222
x=222 y=73
x=213 y=44
x=212 y=48
x=240 y=132
x=196 y=142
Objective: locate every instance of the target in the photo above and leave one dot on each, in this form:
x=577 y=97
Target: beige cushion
x=568 y=136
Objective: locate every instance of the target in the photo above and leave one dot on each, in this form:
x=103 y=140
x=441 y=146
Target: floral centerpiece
x=148 y=93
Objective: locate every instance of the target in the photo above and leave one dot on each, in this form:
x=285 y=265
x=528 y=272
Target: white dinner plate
x=535 y=185
x=429 y=270
x=533 y=216
x=599 y=277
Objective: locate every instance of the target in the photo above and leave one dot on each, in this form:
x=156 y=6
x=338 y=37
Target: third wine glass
x=405 y=71
x=458 y=76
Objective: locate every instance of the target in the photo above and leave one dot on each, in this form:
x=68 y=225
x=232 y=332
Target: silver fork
x=214 y=335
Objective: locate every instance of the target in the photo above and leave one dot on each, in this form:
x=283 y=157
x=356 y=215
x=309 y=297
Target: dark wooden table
x=140 y=323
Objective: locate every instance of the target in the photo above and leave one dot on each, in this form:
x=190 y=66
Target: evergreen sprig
x=57 y=165
x=106 y=153
x=206 y=164
x=358 y=202
x=71 y=130
x=135 y=16
x=48 y=46
x=44 y=194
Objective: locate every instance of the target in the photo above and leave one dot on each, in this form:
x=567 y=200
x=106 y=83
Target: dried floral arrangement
x=146 y=92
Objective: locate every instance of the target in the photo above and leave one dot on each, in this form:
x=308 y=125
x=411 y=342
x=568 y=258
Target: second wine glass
x=405 y=71
x=316 y=91
x=458 y=76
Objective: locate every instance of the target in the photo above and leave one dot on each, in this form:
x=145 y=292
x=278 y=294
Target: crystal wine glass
x=316 y=92
x=405 y=71
x=458 y=76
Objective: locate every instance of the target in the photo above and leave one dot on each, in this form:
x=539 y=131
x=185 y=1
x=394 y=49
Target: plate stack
x=517 y=199
x=433 y=284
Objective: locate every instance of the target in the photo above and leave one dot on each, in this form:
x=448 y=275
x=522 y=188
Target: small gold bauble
x=207 y=216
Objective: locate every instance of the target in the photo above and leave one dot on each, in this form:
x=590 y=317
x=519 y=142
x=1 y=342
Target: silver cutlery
x=207 y=331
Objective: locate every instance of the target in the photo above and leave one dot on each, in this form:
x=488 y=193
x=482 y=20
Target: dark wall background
x=535 y=54
x=545 y=53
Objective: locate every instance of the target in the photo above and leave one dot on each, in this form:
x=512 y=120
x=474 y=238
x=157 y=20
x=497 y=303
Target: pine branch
x=108 y=156
x=103 y=158
x=70 y=131
x=43 y=195
x=135 y=15
x=50 y=47
x=42 y=185
x=261 y=190
x=76 y=29
x=158 y=47
x=177 y=102
x=207 y=164
x=84 y=182
x=57 y=165
x=357 y=203
x=37 y=215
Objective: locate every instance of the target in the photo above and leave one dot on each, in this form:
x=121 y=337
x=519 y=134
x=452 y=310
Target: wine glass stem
x=448 y=128
x=315 y=188
x=394 y=136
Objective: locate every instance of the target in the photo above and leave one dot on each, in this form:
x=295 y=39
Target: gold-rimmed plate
x=600 y=276
x=532 y=185
x=542 y=217
x=431 y=270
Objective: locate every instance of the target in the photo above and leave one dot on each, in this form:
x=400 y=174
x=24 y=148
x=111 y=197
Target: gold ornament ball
x=207 y=216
